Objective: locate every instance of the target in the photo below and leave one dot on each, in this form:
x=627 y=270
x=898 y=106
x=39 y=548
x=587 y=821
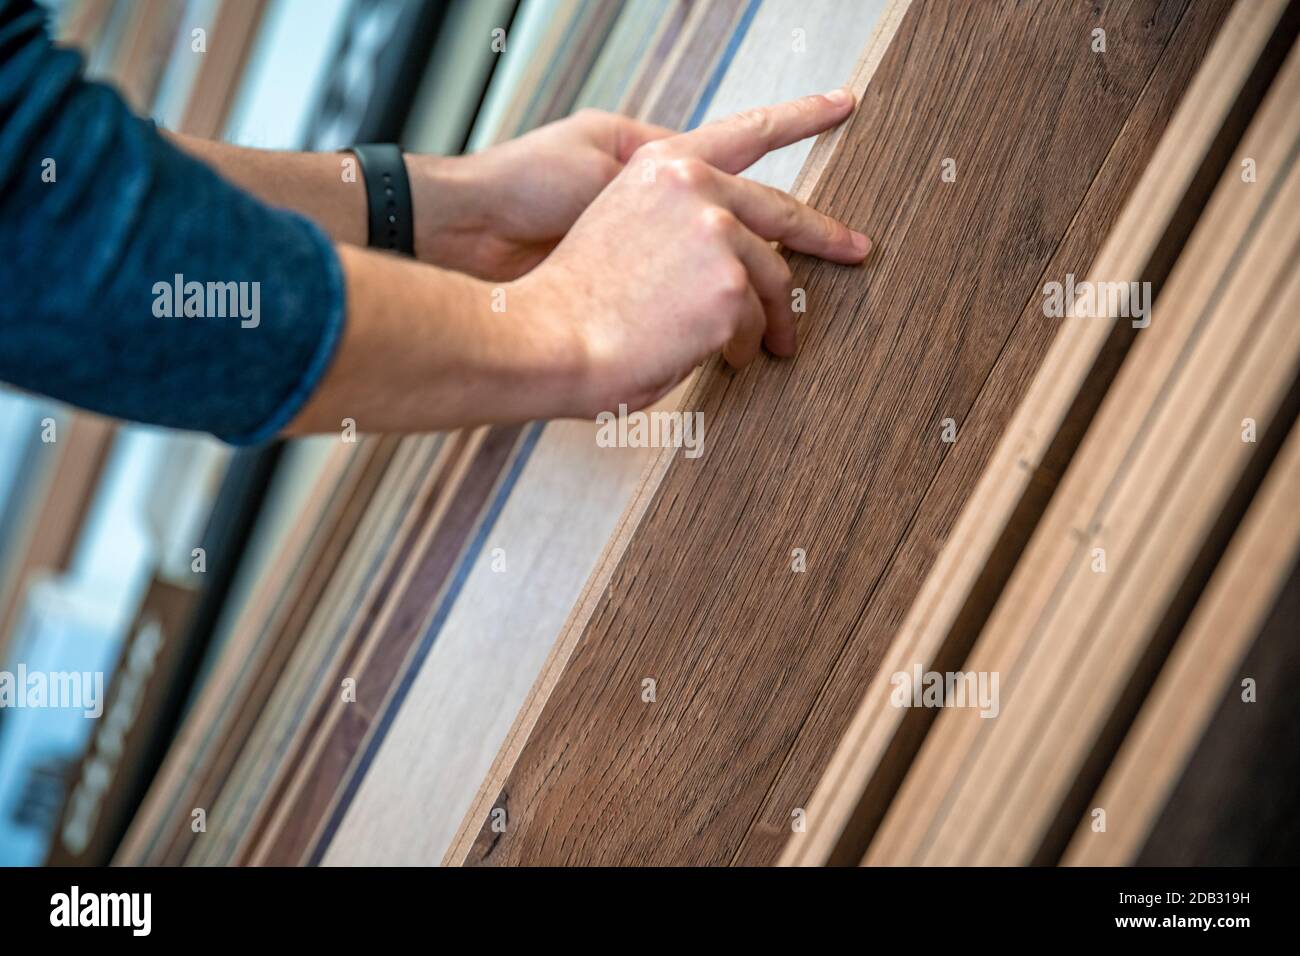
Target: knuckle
x=655 y=151
x=686 y=172
x=811 y=105
x=732 y=282
x=791 y=216
x=758 y=122
x=716 y=224
x=785 y=272
x=835 y=232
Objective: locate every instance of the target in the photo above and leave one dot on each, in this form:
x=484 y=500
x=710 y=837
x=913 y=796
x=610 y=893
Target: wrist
x=552 y=348
x=445 y=202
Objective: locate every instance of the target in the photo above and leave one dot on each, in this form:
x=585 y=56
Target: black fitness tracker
x=388 y=197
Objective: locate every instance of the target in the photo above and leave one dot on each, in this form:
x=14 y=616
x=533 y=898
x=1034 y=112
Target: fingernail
x=840 y=97
x=860 y=242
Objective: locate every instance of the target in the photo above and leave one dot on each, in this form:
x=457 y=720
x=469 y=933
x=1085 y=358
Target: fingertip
x=782 y=344
x=851 y=250
x=861 y=243
x=841 y=99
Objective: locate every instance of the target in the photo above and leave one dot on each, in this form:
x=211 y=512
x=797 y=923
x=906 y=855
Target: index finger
x=737 y=142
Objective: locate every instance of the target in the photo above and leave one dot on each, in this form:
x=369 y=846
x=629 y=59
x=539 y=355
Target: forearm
x=443 y=193
x=312 y=184
x=424 y=350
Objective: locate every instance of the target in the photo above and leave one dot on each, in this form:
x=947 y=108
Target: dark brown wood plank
x=1022 y=352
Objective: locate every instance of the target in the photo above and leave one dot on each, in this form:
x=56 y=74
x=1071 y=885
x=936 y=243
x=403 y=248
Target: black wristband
x=388 y=197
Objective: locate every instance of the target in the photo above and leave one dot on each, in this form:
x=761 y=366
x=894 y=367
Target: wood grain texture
x=484 y=659
x=317 y=775
x=84 y=25
x=1159 y=482
x=834 y=452
x=1244 y=606
x=701 y=43
x=632 y=35
x=360 y=595
x=379 y=650
x=660 y=48
x=1013 y=491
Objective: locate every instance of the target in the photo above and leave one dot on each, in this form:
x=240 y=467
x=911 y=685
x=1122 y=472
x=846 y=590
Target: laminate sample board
x=660 y=47
x=82 y=24
x=1199 y=729
x=633 y=32
x=833 y=462
x=375 y=531
x=943 y=622
x=356 y=590
x=1107 y=581
x=179 y=787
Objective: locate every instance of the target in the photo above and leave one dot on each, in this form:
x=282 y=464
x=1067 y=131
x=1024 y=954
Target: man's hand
x=673 y=261
x=498 y=213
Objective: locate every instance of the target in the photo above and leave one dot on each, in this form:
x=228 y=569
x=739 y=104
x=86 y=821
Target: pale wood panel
x=1247 y=585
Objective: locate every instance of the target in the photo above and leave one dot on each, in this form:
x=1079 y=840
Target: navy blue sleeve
x=136 y=282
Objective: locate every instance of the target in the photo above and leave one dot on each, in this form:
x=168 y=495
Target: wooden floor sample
x=834 y=453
